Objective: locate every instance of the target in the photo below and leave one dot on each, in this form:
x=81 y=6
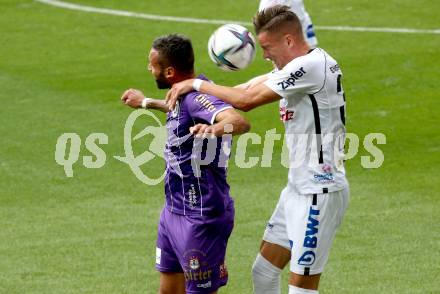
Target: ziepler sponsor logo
x=290 y=82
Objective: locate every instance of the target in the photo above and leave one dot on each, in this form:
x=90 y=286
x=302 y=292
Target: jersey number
x=338 y=90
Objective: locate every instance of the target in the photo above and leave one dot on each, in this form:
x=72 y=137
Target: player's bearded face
x=157 y=70
x=161 y=81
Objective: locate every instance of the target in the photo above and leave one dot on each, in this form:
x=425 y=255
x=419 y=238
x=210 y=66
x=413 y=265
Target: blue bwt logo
x=310 y=239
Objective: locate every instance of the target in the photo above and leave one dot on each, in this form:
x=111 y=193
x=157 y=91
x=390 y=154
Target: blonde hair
x=275 y=19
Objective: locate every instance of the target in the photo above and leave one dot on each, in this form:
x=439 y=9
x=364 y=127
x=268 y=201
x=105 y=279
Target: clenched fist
x=133 y=98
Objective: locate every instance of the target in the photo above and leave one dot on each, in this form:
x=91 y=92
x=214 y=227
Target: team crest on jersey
x=194 y=263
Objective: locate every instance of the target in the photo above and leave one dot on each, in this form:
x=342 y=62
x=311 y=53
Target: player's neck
x=296 y=52
x=183 y=76
x=304 y=49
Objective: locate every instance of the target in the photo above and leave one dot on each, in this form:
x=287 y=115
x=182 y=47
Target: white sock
x=266 y=277
x=296 y=290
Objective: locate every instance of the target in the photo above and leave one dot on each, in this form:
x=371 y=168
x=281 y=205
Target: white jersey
x=296 y=6
x=313 y=111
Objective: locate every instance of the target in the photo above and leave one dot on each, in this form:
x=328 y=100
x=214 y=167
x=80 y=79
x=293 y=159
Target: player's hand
x=177 y=90
x=202 y=130
x=132 y=98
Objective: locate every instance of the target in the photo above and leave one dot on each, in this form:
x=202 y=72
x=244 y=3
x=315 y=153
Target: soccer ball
x=231 y=47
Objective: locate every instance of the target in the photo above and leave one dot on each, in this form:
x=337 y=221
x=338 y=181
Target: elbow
x=246 y=107
x=245 y=104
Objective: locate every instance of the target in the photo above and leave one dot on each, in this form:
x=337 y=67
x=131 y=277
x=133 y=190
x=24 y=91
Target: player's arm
x=243 y=99
x=253 y=82
x=227 y=121
x=136 y=99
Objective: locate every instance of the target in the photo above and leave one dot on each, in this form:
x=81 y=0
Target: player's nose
x=266 y=55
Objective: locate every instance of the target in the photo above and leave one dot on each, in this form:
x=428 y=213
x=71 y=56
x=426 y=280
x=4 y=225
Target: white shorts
x=306 y=225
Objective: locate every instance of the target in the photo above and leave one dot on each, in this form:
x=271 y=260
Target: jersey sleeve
x=205 y=107
x=296 y=77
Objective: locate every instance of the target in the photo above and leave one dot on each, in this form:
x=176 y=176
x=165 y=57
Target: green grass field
x=63 y=71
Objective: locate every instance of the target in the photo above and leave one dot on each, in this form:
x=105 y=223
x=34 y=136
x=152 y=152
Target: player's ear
x=290 y=41
x=169 y=72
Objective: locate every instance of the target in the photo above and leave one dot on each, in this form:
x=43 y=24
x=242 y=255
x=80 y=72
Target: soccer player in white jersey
x=297 y=6
x=307 y=84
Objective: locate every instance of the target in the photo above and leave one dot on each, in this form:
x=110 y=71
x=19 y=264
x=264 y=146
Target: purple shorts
x=196 y=247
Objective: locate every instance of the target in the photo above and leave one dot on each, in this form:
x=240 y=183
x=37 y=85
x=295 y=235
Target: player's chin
x=163 y=85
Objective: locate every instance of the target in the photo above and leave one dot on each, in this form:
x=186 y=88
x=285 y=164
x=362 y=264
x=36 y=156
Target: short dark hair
x=274 y=18
x=175 y=50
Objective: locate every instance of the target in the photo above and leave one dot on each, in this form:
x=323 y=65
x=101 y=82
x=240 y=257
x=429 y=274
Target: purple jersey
x=192 y=189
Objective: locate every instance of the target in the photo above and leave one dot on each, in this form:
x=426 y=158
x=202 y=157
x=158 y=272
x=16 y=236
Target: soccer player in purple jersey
x=198 y=216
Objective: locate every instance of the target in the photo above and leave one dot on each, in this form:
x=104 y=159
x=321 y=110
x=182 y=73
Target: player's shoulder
x=312 y=59
x=307 y=66
x=197 y=100
x=195 y=96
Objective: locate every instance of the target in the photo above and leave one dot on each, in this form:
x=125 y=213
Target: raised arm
x=227 y=121
x=253 y=82
x=240 y=98
x=136 y=99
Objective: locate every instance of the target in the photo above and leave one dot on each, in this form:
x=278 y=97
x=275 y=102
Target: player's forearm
x=156 y=104
x=136 y=99
x=237 y=97
x=232 y=124
x=252 y=82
